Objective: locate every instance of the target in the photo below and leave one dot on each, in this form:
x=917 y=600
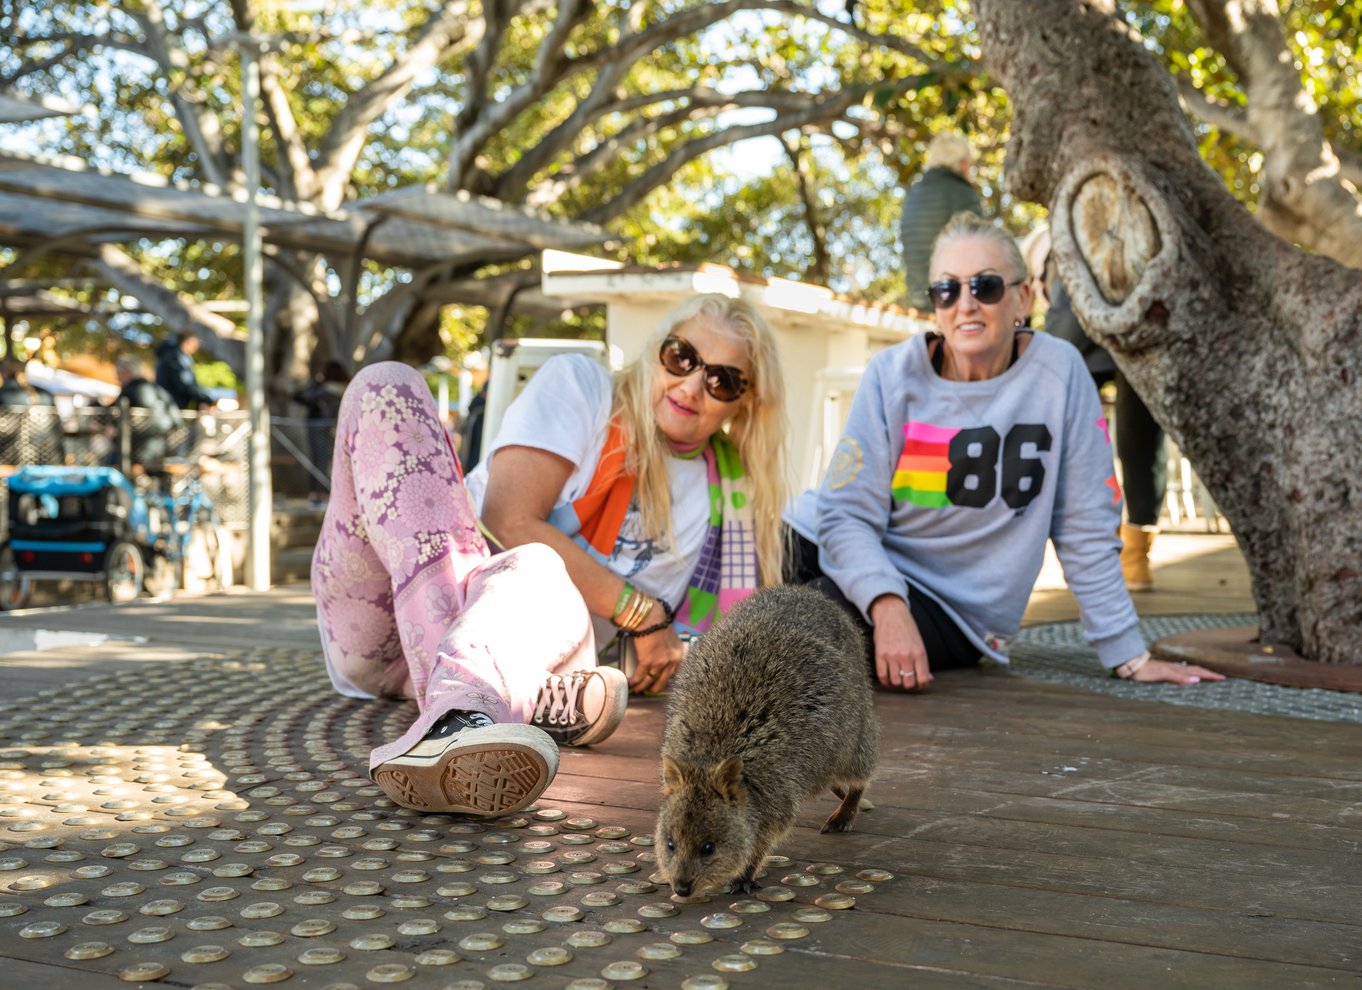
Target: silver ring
x=907 y=673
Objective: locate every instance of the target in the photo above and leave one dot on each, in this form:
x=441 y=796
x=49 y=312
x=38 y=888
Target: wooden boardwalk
x=1036 y=835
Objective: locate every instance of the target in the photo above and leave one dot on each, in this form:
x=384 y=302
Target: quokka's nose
x=681 y=888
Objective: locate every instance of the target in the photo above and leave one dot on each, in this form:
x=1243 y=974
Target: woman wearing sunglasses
x=662 y=489
x=964 y=452
x=655 y=513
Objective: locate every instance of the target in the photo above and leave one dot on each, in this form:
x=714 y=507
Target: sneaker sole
x=493 y=770
x=617 y=695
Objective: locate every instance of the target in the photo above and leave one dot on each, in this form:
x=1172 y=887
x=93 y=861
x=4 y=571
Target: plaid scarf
x=727 y=569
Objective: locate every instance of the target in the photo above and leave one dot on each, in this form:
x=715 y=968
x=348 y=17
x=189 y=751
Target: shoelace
x=559 y=696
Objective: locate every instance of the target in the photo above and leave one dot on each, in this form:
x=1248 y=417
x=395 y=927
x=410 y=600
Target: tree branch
x=478 y=65
x=201 y=128
x=707 y=103
x=1234 y=120
x=344 y=141
x=513 y=183
x=297 y=179
x=817 y=112
x=549 y=62
x=1305 y=197
x=821 y=264
x=74 y=44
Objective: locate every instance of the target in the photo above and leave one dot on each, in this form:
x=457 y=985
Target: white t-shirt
x=565 y=409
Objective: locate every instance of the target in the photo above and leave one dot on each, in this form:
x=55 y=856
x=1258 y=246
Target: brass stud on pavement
x=704 y=981
x=553 y=955
x=89 y=950
x=390 y=973
x=144 y=972
x=268 y=973
x=588 y=938
x=204 y=954
x=691 y=938
x=481 y=942
x=625 y=969
x=835 y=902
x=761 y=947
x=320 y=956
x=510 y=973
x=736 y=963
x=658 y=950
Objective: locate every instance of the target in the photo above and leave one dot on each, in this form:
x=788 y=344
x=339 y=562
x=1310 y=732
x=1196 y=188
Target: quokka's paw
x=839 y=822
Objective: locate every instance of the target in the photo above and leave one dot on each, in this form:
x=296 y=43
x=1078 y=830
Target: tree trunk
x=1247 y=350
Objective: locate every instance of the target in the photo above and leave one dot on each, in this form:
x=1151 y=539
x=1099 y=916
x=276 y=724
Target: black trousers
x=947 y=647
x=1139 y=446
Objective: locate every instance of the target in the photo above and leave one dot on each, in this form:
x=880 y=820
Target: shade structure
x=412 y=227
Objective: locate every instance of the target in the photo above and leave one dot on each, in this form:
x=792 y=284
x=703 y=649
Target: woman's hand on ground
x=1166 y=672
x=659 y=657
x=900 y=656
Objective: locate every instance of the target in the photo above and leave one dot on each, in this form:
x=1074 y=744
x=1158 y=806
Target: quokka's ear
x=673 y=776
x=727 y=779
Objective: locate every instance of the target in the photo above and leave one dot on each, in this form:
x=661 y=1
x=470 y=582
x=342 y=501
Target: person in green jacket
x=940 y=192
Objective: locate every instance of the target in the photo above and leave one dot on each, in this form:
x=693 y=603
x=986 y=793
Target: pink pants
x=409 y=600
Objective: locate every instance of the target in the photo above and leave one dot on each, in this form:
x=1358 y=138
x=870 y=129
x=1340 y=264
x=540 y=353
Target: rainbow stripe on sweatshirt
x=920 y=477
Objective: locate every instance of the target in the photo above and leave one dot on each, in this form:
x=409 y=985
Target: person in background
x=322 y=399
x=1139 y=437
x=151 y=426
x=15 y=389
x=31 y=432
x=941 y=191
x=175 y=370
x=662 y=488
x=965 y=452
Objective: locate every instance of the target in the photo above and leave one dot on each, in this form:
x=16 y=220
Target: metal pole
x=260 y=501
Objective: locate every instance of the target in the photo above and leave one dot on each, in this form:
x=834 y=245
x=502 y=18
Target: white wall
x=823 y=341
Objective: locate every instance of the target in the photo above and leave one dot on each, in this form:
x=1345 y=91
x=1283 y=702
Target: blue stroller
x=92 y=524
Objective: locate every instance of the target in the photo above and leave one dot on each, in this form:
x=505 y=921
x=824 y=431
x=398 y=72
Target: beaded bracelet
x=667 y=610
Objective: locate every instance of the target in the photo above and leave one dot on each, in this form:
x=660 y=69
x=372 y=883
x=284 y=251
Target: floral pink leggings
x=409 y=600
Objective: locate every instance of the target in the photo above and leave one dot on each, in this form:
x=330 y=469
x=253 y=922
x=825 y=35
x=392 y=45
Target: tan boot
x=1135 y=544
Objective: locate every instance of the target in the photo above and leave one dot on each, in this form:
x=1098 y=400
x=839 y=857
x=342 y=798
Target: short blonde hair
x=758 y=426
x=948 y=149
x=965 y=225
x=131 y=366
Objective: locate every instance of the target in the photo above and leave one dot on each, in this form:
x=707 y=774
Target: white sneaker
x=583 y=707
x=468 y=764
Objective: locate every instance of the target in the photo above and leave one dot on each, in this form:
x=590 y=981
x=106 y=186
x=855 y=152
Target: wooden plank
x=1189 y=790
x=1189 y=872
x=1115 y=824
x=1235 y=651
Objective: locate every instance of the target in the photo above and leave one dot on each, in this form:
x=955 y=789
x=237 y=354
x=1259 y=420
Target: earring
x=1017 y=322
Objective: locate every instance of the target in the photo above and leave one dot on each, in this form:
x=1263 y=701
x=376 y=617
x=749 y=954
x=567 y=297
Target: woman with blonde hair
x=967 y=451
x=662 y=489
x=624 y=502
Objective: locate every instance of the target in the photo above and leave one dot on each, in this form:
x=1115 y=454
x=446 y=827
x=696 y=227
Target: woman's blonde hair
x=758 y=426
x=965 y=224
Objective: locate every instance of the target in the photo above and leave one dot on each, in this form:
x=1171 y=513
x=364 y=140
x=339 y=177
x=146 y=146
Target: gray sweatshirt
x=956 y=486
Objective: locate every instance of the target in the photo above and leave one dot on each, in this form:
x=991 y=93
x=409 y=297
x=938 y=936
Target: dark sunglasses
x=986 y=288
x=722 y=381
